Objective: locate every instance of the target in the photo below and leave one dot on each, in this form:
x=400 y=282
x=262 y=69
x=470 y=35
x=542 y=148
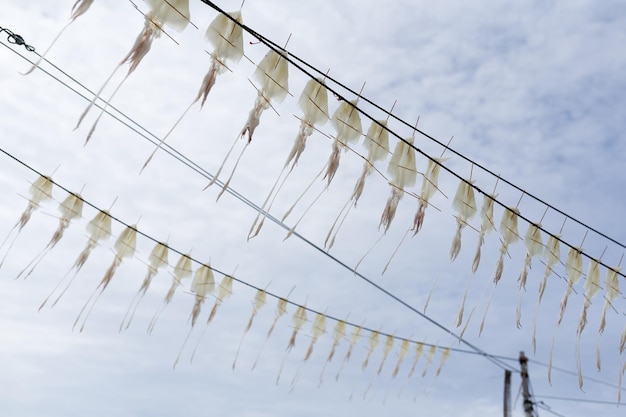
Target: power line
x=578 y=400
x=272 y=45
x=240 y=197
x=155 y=240
x=187 y=162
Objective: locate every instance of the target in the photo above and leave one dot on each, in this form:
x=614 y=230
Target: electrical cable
x=240 y=197
x=154 y=240
x=272 y=45
x=187 y=162
x=578 y=400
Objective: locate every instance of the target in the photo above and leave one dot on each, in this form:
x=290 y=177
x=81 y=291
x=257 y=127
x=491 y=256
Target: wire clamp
x=16 y=39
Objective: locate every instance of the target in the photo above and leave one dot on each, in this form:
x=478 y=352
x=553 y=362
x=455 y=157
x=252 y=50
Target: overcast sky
x=534 y=92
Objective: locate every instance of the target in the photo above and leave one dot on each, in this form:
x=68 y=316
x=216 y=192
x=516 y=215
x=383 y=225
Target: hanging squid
x=611 y=290
x=281 y=310
x=508 y=230
x=486 y=226
x=124 y=248
x=158 y=259
x=299 y=319
x=339 y=332
x=224 y=291
x=173 y=13
x=347 y=123
x=372 y=345
x=257 y=304
x=403 y=171
x=429 y=187
x=445 y=355
x=99 y=228
x=226 y=36
x=317 y=329
x=202 y=285
x=592 y=288
x=534 y=247
x=40 y=191
x=78 y=9
x=419 y=350
x=430 y=356
x=404 y=350
x=273 y=75
x=377 y=145
x=573 y=270
x=552 y=255
x=465 y=205
x=314 y=104
x=355 y=336
x=182 y=270
x=374 y=341
x=70 y=208
x=389 y=342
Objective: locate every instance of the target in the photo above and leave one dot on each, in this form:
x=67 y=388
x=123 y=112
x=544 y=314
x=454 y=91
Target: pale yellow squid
x=534 y=248
x=377 y=145
x=487 y=225
x=355 y=336
x=71 y=208
x=509 y=233
x=403 y=172
x=574 y=272
x=318 y=328
x=273 y=75
x=202 y=285
x=224 y=291
x=40 y=191
x=298 y=320
x=124 y=248
x=347 y=122
x=552 y=256
x=158 y=259
x=174 y=14
x=592 y=288
x=419 y=351
x=465 y=205
x=612 y=292
x=258 y=302
x=281 y=310
x=339 y=332
x=226 y=36
x=182 y=270
x=78 y=9
x=99 y=229
x=314 y=104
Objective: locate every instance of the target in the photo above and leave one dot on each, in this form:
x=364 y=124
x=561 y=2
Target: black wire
x=18 y=40
x=578 y=400
x=545 y=407
x=240 y=197
x=272 y=45
x=154 y=240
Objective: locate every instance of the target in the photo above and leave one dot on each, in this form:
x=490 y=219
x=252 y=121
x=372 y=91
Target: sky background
x=533 y=91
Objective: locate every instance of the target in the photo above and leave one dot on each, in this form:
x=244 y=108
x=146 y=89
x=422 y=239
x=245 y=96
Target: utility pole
x=528 y=404
x=507 y=393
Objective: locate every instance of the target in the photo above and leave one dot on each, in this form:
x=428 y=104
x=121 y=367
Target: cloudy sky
x=533 y=92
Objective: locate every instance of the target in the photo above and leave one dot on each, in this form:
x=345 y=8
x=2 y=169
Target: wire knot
x=16 y=39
